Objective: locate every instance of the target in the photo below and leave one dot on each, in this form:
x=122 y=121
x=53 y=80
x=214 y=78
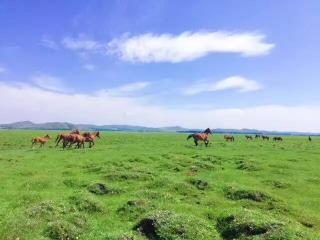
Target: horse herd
x=69 y=139
x=75 y=137
x=230 y=138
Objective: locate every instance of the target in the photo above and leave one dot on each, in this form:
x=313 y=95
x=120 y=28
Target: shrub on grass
x=87 y=204
x=238 y=194
x=62 y=230
x=165 y=225
x=248 y=224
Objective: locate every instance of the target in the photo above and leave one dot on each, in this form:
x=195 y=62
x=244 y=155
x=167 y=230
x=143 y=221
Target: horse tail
x=190 y=136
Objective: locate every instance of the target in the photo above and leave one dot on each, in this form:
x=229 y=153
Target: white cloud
x=31 y=103
x=49 y=43
x=2 y=69
x=126 y=89
x=81 y=43
x=49 y=82
x=187 y=46
x=239 y=83
x=89 y=67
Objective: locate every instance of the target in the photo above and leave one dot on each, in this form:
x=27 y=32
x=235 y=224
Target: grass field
x=161 y=184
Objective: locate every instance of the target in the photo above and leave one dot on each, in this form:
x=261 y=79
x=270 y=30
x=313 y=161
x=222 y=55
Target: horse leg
x=196 y=142
x=206 y=142
x=58 y=141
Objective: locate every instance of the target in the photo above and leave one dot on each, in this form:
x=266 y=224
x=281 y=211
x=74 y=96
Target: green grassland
x=161 y=185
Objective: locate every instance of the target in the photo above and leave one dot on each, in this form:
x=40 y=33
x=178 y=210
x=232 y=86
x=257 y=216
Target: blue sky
x=237 y=64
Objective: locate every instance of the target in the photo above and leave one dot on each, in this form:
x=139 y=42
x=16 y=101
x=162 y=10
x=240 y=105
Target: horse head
x=208 y=131
x=47 y=136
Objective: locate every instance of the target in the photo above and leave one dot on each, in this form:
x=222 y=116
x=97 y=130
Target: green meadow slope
x=159 y=186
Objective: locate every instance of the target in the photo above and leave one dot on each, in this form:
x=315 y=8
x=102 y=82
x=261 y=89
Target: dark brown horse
x=277 y=139
x=200 y=137
x=265 y=138
x=63 y=136
x=249 y=137
x=229 y=138
x=41 y=140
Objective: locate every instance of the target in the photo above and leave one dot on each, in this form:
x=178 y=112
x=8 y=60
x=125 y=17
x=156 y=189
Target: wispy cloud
x=126 y=88
x=89 y=67
x=49 y=43
x=187 y=46
x=81 y=43
x=39 y=105
x=49 y=82
x=238 y=83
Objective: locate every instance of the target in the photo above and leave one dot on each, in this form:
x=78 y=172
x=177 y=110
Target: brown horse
x=265 y=138
x=200 y=137
x=249 y=137
x=91 y=136
x=63 y=136
x=229 y=138
x=277 y=139
x=74 y=138
x=41 y=140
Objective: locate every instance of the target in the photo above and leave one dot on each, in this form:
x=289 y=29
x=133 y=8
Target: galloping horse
x=277 y=139
x=265 y=138
x=75 y=138
x=200 y=137
x=63 y=136
x=249 y=137
x=41 y=140
x=91 y=136
x=229 y=138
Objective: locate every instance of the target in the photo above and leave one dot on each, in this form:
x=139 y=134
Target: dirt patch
x=199 y=184
x=98 y=188
x=247 y=165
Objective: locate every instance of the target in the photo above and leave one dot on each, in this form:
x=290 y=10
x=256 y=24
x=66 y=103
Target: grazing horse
x=309 y=138
x=265 y=138
x=277 y=139
x=41 y=140
x=200 y=137
x=63 y=136
x=257 y=136
x=91 y=136
x=229 y=138
x=249 y=137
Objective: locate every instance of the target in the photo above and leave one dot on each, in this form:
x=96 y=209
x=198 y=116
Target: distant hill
x=129 y=128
